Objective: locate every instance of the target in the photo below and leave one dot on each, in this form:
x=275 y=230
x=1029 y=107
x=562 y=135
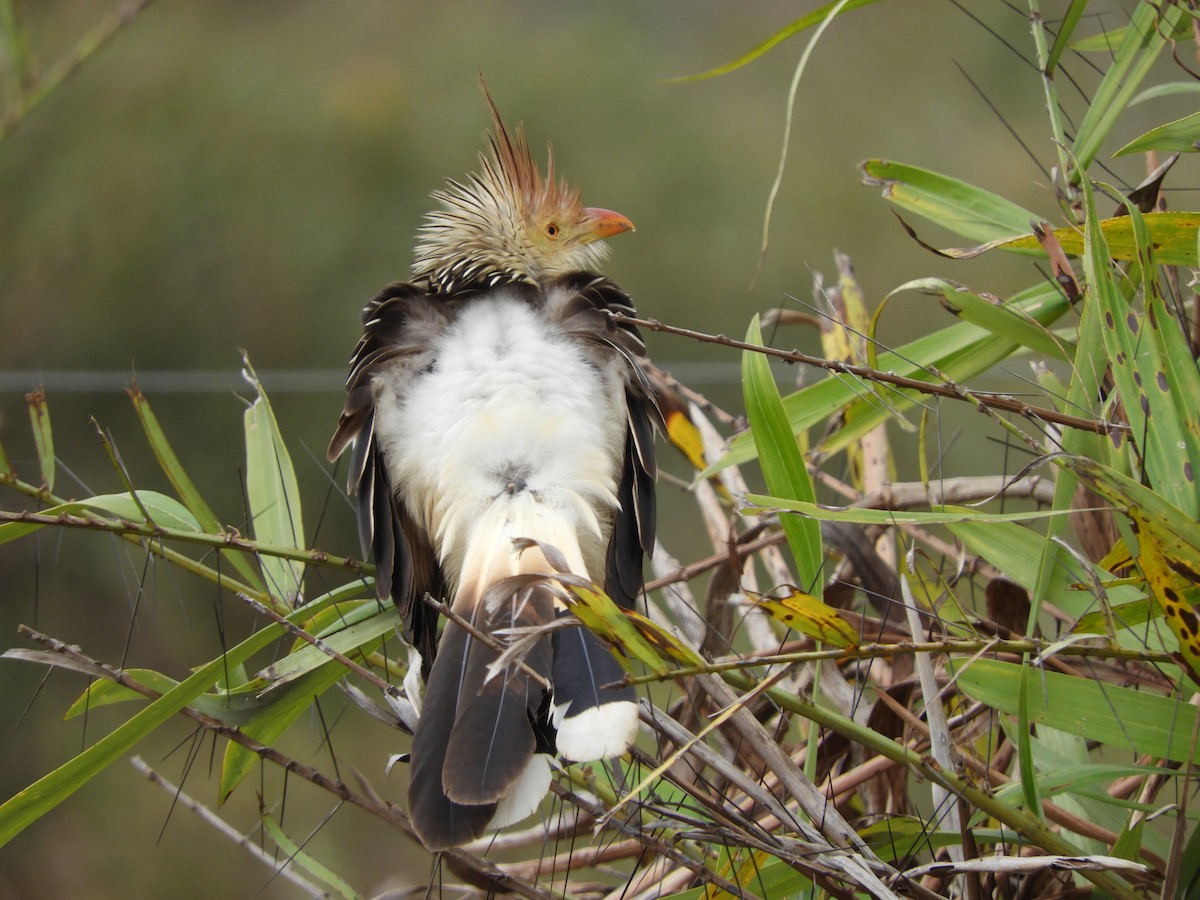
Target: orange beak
x=605 y=223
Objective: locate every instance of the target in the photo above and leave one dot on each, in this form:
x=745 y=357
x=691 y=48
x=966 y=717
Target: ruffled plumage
x=493 y=402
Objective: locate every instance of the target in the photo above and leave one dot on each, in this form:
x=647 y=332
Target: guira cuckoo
x=502 y=425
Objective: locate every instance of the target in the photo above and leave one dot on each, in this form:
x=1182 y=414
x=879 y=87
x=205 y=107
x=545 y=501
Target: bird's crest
x=508 y=222
x=511 y=163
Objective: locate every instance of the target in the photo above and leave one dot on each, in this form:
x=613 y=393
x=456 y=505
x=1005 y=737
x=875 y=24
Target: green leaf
x=972 y=212
x=1166 y=90
x=167 y=512
x=1071 y=778
x=287 y=689
x=1138 y=721
x=357 y=626
x=903 y=837
x=1062 y=39
x=273 y=718
x=808 y=20
x=26 y=807
x=163 y=510
x=105 y=692
x=1030 y=789
x=1189 y=870
x=1149 y=28
x=1163 y=374
x=780 y=458
x=960 y=351
x=763 y=875
x=184 y=486
x=235 y=707
x=1105 y=42
x=35 y=801
x=43 y=436
x=862 y=515
x=1174 y=385
x=1001 y=319
x=274 y=495
x=1129 y=615
x=1011 y=548
x=1182 y=135
x=1119 y=330
x=1129 y=842
x=295 y=856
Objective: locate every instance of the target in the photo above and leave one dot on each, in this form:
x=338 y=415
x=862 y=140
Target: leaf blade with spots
x=811 y=617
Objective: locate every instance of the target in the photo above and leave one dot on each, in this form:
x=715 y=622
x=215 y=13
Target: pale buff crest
x=509 y=223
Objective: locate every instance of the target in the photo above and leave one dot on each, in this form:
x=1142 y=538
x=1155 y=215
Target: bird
x=501 y=425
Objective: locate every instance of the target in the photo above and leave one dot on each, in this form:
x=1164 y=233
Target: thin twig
x=946 y=388
x=223 y=540
x=94 y=41
x=390 y=689
x=223 y=828
x=484 y=870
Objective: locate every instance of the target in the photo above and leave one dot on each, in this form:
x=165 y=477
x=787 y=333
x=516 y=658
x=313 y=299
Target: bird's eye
x=552 y=230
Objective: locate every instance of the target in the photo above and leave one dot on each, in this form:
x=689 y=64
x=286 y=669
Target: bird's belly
x=511 y=412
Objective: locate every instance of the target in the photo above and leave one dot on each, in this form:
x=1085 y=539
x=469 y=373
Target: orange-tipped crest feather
x=508 y=222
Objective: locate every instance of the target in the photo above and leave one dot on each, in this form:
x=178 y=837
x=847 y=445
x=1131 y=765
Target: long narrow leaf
x=1062 y=39
x=183 y=484
x=1002 y=319
x=967 y=210
x=1116 y=716
x=1149 y=28
x=861 y=515
x=26 y=807
x=808 y=20
x=780 y=458
x=166 y=512
x=961 y=351
x=1182 y=135
x=274 y=495
x=295 y=856
x=1173 y=235
x=276 y=716
x=43 y=436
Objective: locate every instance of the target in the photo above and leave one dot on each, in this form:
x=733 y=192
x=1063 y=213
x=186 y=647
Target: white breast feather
x=508 y=397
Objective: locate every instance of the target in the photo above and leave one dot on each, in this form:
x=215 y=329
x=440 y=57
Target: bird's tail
x=480 y=754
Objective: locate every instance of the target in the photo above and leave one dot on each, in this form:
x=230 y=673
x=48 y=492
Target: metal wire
x=277 y=381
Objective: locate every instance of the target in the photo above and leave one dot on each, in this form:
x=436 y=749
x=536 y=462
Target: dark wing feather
x=582 y=668
x=643 y=414
x=438 y=821
x=493 y=740
x=397 y=325
x=585 y=317
x=623 y=564
x=476 y=736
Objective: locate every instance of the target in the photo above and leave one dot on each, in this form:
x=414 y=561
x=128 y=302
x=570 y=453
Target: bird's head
x=509 y=223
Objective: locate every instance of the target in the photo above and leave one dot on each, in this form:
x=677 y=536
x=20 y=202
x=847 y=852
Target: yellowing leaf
x=812 y=617
x=1118 y=557
x=596 y=610
x=1173 y=235
x=664 y=640
x=686 y=437
x=1176 y=594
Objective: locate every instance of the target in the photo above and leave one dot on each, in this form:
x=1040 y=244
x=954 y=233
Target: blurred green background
x=235 y=175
